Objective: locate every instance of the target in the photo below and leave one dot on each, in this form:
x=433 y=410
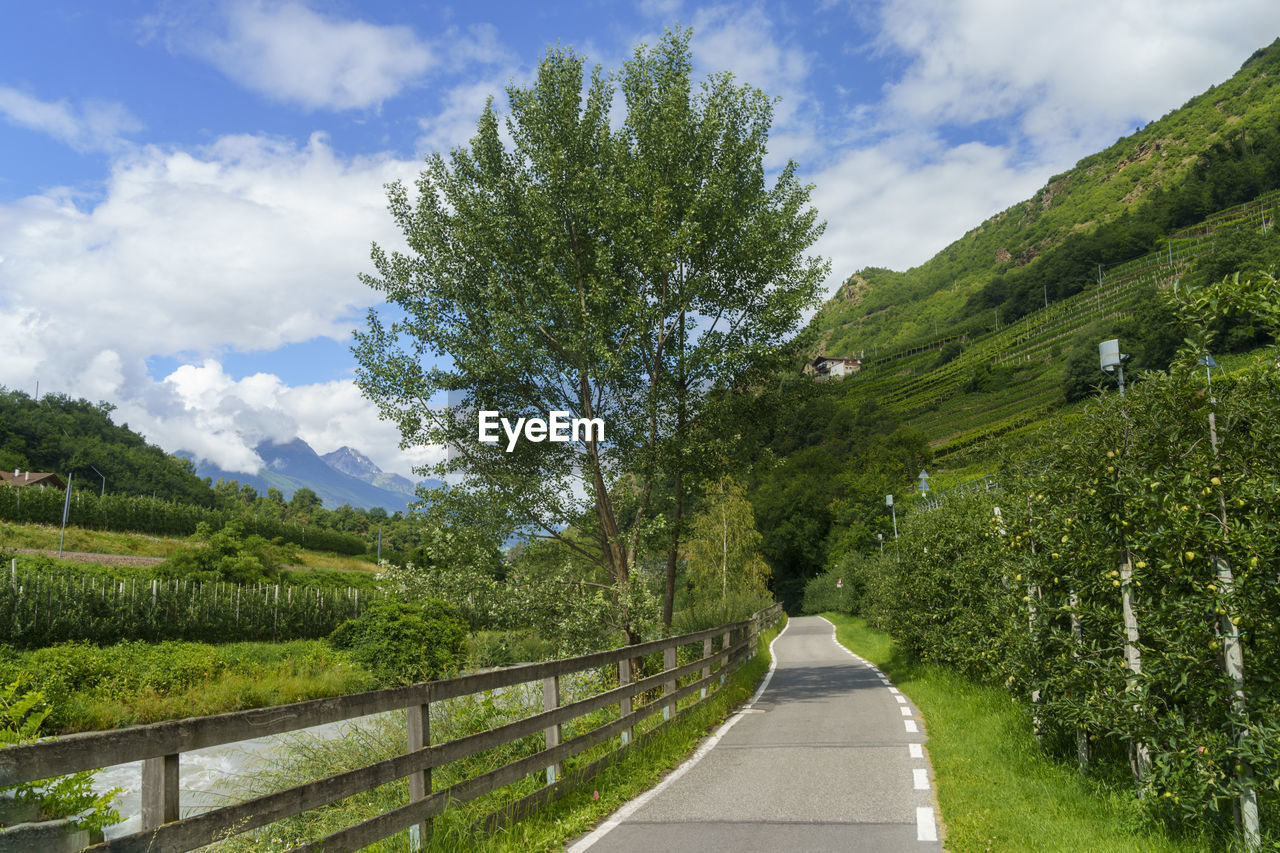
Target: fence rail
x=160 y=745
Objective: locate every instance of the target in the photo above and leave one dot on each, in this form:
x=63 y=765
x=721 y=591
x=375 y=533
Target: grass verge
x=998 y=791
x=550 y=828
x=92 y=688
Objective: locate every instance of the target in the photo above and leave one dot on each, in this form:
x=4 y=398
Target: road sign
x=839 y=583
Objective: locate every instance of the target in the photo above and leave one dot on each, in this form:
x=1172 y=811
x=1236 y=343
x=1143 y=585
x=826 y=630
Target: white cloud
x=248 y=244
x=290 y=53
x=1071 y=74
x=744 y=41
x=898 y=203
x=455 y=122
x=93 y=126
x=202 y=409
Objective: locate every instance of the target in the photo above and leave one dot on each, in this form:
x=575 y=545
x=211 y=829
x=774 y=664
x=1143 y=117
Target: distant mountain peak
x=352 y=462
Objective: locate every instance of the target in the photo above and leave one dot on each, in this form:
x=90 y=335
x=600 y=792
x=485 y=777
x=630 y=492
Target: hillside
x=59 y=434
x=1219 y=149
x=1037 y=287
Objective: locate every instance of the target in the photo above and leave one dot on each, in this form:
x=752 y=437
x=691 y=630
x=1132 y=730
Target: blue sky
x=188 y=190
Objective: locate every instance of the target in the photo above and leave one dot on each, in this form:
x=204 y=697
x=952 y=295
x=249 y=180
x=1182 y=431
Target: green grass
x=92 y=688
x=46 y=536
x=997 y=790
x=550 y=828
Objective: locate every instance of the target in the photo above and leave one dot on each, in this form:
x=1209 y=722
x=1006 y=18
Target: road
x=829 y=757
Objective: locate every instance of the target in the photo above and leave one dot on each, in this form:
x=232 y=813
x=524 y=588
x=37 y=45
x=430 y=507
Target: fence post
x=159 y=791
x=418 y=723
x=668 y=687
x=624 y=707
x=706 y=669
x=724 y=647
x=550 y=701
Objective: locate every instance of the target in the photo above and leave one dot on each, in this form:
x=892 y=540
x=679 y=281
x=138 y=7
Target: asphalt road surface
x=829 y=757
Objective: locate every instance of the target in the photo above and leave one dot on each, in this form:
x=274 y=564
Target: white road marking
x=902 y=700
x=916 y=750
x=921 y=779
x=630 y=808
x=894 y=690
x=911 y=725
x=906 y=712
x=926 y=829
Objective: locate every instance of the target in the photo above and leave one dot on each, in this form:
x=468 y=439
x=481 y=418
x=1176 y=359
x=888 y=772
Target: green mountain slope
x=1219 y=149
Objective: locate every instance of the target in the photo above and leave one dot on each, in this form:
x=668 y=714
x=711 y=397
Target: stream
x=210 y=777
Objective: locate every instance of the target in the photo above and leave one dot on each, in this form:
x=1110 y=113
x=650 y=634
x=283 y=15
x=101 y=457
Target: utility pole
x=66 y=508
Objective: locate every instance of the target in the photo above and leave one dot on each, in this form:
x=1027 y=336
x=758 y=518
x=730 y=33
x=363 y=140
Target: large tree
x=618 y=270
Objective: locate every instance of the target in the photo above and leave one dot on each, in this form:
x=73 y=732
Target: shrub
x=21 y=716
x=403 y=643
x=228 y=555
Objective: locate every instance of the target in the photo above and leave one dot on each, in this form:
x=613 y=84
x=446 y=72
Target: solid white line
x=911 y=725
x=631 y=807
x=921 y=779
x=926 y=829
x=916 y=750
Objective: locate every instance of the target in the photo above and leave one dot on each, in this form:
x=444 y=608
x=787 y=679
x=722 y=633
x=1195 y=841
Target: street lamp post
x=888 y=501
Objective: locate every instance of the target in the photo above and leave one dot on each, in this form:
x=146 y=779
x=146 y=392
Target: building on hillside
x=32 y=478
x=832 y=367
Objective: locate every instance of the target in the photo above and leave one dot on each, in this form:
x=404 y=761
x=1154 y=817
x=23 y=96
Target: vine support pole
x=1233 y=657
x=1139 y=755
x=1077 y=631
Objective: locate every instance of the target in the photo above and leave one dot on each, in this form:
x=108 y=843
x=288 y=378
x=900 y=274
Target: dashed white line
x=902 y=700
x=906 y=712
x=926 y=829
x=916 y=750
x=911 y=725
x=894 y=690
x=921 y=779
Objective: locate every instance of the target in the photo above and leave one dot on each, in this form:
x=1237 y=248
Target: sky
x=189 y=190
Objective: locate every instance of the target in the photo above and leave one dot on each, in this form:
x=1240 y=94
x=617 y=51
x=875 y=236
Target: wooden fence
x=160 y=745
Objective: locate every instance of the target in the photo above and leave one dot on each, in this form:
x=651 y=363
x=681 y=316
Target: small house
x=826 y=367
x=32 y=478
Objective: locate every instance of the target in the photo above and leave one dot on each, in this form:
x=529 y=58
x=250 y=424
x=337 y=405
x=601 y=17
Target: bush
x=402 y=643
x=228 y=555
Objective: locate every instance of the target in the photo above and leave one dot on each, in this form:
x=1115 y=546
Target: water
x=210 y=777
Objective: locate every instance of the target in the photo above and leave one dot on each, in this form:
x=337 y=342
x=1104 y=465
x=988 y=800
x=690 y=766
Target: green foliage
x=63 y=435
x=92 y=688
x=722 y=547
x=737 y=605
x=228 y=555
x=402 y=643
x=486 y=649
x=821 y=457
x=162 y=517
x=1220 y=149
x=625 y=273
x=22 y=715
x=45 y=602
x=1139 y=481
